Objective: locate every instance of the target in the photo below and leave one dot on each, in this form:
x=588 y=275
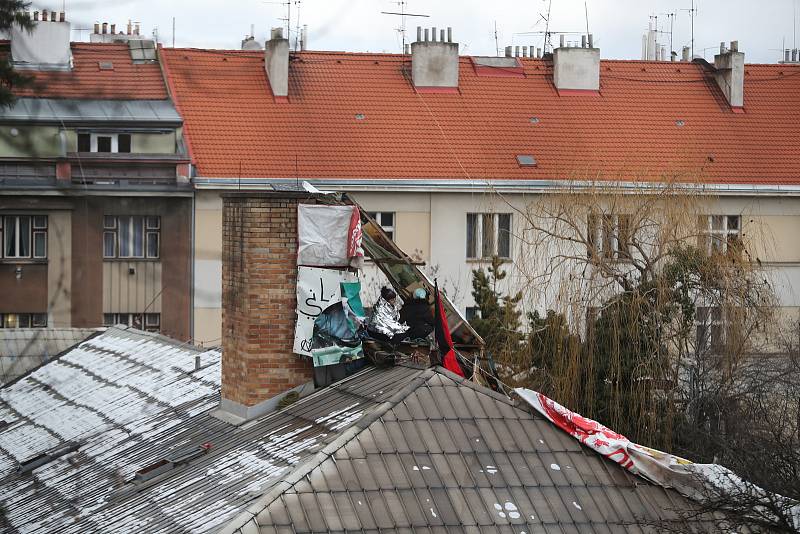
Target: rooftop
x=119 y=434
x=100 y=71
x=357 y=116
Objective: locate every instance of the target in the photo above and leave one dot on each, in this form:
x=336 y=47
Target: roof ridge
x=299 y=472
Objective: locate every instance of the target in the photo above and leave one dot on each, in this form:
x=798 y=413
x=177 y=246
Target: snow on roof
x=84 y=425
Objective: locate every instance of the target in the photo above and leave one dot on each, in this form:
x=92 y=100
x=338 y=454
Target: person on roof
x=416 y=313
x=384 y=324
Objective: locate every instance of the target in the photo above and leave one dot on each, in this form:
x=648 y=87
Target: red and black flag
x=443 y=339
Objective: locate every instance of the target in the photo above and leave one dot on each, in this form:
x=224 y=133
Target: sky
x=762 y=27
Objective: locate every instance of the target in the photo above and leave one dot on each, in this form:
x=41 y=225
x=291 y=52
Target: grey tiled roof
x=445 y=455
x=24 y=349
x=126 y=399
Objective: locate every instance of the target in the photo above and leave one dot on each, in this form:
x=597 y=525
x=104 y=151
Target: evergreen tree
x=13 y=13
x=499 y=320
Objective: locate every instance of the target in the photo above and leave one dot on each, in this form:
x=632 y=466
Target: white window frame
x=150 y=322
x=478 y=236
x=603 y=245
x=380 y=216
x=151 y=229
x=719 y=323
x=37 y=229
x=718 y=239
x=93 y=141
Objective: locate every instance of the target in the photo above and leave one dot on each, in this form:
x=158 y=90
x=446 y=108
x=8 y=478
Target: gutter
x=416 y=185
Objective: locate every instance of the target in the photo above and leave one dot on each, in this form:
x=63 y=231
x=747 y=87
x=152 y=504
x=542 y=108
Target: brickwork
x=259 y=277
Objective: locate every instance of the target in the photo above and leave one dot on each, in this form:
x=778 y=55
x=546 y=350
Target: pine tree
x=499 y=320
x=13 y=13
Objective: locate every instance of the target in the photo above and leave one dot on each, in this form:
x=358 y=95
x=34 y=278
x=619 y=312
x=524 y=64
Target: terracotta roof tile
x=86 y=80
x=631 y=130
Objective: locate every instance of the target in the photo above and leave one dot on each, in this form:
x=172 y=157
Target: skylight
x=526 y=160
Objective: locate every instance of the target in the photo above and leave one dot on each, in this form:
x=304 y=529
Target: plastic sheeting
x=695 y=481
x=328 y=236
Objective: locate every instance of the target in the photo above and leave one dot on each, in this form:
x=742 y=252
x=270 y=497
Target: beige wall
x=153 y=143
x=774 y=238
x=139 y=292
x=208 y=268
x=30 y=141
x=59 y=269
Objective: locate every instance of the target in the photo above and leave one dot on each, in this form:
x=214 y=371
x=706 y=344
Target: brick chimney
x=259 y=278
x=577 y=69
x=729 y=74
x=46 y=47
x=276 y=63
x=434 y=63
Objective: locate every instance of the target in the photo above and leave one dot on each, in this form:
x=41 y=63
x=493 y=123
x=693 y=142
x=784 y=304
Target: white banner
x=316 y=290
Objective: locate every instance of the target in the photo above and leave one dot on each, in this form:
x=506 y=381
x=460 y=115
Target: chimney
x=128 y=29
x=45 y=47
x=576 y=69
x=729 y=74
x=259 y=299
x=685 y=52
x=434 y=64
x=304 y=38
x=105 y=28
x=276 y=62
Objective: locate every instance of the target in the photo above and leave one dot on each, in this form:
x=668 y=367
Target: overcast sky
x=761 y=27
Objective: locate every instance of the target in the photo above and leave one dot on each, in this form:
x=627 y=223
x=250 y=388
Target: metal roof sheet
x=77 y=111
x=445 y=455
x=128 y=399
x=24 y=349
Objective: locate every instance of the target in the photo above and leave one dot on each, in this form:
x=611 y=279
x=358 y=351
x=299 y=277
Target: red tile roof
x=357 y=116
x=126 y=81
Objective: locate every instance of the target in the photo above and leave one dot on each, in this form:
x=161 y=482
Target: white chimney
x=434 y=64
x=46 y=47
x=729 y=74
x=576 y=69
x=276 y=63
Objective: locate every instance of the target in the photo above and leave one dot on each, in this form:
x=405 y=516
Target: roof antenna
x=496 y=44
x=173 y=32
x=586 y=9
x=692 y=13
x=548 y=43
x=402 y=14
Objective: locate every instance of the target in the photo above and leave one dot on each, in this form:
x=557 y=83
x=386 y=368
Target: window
x=711 y=328
x=104 y=142
x=609 y=236
x=488 y=235
x=473 y=312
x=131 y=236
x=23 y=320
x=720 y=233
x=385 y=220
x=142 y=321
x=24 y=236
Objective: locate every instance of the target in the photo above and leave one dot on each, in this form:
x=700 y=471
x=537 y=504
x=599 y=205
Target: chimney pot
x=63 y=17
x=35 y=15
x=538 y=52
x=441 y=35
x=794 y=55
x=427 y=35
x=105 y=28
x=583 y=41
x=591 y=41
x=673 y=56
x=136 y=29
x=449 y=34
x=508 y=52
x=129 y=28
x=685 y=53
x=787 y=55
x=734 y=46
x=433 y=34
x=516 y=51
x=722 y=49
x=419 y=33
x=561 y=41
x=113 y=28
x=96 y=27
x=407 y=49
x=44 y=15
x=524 y=51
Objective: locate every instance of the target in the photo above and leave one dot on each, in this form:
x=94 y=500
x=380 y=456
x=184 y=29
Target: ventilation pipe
x=685 y=52
x=434 y=64
x=729 y=74
x=276 y=63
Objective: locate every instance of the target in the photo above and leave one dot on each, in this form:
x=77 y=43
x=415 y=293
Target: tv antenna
x=692 y=14
x=403 y=14
x=496 y=43
x=288 y=18
x=671 y=18
x=547 y=37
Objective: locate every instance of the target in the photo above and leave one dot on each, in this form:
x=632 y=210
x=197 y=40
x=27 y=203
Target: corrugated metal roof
x=24 y=349
x=128 y=399
x=446 y=455
x=75 y=111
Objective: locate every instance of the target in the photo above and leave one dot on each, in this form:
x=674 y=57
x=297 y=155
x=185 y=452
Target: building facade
x=95 y=203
